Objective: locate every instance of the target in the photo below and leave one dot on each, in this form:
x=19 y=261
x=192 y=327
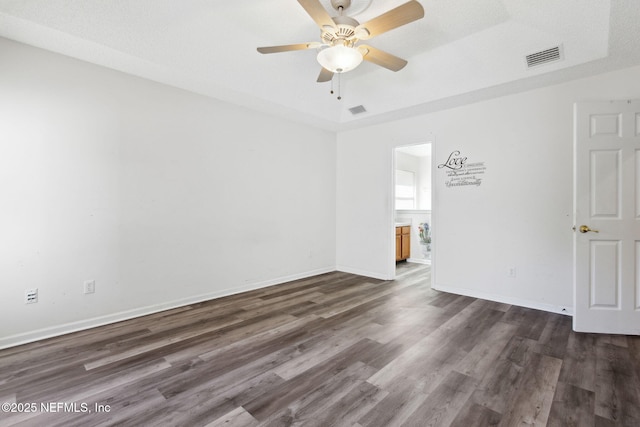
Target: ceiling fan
x=339 y=51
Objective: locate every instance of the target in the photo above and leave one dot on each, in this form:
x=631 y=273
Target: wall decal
x=461 y=173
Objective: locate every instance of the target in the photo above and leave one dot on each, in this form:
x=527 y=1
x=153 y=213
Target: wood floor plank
x=266 y=405
x=404 y=398
x=617 y=394
x=80 y=386
x=392 y=349
x=474 y=415
x=634 y=353
x=482 y=356
x=157 y=344
x=126 y=404
x=604 y=422
x=496 y=389
x=210 y=400
x=530 y=324
x=531 y=404
x=189 y=350
x=572 y=407
x=519 y=350
x=445 y=402
x=406 y=320
x=221 y=374
x=321 y=350
x=313 y=405
x=352 y=406
x=554 y=336
x=579 y=361
x=336 y=349
x=236 y=418
x=241 y=345
x=458 y=304
x=411 y=362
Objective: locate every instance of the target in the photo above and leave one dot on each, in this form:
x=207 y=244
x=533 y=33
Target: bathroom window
x=405 y=190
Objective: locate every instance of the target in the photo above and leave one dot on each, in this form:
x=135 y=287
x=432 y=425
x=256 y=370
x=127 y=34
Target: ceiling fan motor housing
x=343 y=33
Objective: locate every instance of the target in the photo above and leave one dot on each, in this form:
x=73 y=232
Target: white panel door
x=607 y=217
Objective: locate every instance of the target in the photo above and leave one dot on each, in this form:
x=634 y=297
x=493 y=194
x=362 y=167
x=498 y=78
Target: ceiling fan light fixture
x=339 y=58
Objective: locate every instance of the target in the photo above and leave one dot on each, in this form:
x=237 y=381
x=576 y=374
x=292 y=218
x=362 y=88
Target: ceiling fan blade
x=325 y=75
x=288 y=47
x=382 y=58
x=401 y=15
x=318 y=13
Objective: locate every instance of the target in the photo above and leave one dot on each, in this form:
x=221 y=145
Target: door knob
x=586 y=229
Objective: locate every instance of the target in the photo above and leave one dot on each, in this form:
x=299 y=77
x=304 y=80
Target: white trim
x=504 y=299
x=54 y=331
x=365 y=273
x=419 y=261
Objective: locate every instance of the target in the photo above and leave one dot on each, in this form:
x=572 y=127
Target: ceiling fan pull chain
x=339 y=86
x=331 y=85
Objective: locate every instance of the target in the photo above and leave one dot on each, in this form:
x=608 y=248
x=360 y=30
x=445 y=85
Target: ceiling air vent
x=544 y=57
x=357 y=110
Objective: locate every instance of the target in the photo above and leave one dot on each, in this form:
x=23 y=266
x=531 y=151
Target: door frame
x=428 y=139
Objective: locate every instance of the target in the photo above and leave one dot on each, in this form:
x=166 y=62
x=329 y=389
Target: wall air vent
x=544 y=57
x=357 y=110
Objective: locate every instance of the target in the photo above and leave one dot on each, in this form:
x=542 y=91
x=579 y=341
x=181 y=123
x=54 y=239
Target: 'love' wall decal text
x=461 y=173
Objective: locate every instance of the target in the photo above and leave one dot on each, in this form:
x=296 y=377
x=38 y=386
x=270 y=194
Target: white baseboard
x=504 y=299
x=54 y=331
x=365 y=273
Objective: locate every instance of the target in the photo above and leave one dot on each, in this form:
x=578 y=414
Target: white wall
x=521 y=215
x=424 y=184
x=162 y=196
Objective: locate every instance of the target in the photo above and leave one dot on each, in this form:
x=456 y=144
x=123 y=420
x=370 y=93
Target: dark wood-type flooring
x=332 y=350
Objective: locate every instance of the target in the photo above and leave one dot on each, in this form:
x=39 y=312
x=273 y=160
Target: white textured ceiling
x=461 y=51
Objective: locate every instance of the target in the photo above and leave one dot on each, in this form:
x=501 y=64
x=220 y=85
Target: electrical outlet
x=31 y=296
x=89 y=286
x=511 y=272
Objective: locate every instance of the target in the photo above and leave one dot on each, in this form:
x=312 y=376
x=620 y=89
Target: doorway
x=412 y=184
